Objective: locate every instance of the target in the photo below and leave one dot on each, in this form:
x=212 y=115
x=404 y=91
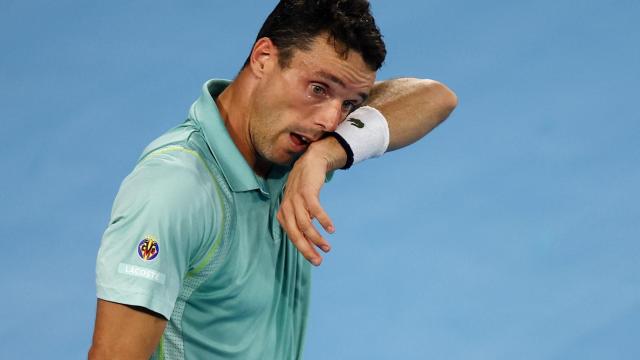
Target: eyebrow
x=335 y=79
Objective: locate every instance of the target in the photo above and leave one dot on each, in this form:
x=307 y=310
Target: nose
x=331 y=116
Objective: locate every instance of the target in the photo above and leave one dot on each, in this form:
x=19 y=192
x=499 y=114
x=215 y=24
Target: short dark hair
x=293 y=25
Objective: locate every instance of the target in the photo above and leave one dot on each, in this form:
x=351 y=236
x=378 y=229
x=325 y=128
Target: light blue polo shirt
x=194 y=237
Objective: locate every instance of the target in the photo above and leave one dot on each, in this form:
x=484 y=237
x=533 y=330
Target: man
x=194 y=263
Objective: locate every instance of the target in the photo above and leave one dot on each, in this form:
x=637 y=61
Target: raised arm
x=412 y=107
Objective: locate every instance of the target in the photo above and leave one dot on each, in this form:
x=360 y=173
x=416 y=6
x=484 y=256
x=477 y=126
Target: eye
x=348 y=106
x=318 y=90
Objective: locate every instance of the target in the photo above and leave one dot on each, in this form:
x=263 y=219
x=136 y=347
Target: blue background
x=510 y=232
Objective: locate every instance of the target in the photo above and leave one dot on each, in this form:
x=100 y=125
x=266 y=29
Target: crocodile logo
x=356 y=122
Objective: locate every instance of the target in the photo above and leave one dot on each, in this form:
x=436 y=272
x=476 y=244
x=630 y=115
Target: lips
x=300 y=142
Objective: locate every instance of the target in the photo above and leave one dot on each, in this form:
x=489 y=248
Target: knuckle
x=310 y=196
x=304 y=222
x=312 y=237
x=299 y=198
x=306 y=228
x=285 y=206
x=315 y=206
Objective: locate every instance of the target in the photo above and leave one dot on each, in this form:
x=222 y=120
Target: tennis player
x=208 y=250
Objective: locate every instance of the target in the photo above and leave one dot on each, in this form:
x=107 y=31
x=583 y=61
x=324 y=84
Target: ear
x=264 y=56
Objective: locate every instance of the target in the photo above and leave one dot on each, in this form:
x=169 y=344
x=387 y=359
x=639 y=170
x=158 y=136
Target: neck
x=234 y=104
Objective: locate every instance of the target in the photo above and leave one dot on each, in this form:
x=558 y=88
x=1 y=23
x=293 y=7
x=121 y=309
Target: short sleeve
x=163 y=221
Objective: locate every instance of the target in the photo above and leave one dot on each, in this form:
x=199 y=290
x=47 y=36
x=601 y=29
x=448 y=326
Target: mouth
x=300 y=142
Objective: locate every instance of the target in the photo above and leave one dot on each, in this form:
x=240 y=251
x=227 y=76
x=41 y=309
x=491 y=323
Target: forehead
x=322 y=60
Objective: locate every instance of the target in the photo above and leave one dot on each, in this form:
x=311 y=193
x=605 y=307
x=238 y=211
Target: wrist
x=329 y=151
x=363 y=135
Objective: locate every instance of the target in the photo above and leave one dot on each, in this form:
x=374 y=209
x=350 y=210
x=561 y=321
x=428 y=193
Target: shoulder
x=174 y=175
x=171 y=194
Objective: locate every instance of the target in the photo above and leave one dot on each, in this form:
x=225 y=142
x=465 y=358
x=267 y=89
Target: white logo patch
x=137 y=271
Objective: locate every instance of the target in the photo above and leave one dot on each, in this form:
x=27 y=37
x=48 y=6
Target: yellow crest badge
x=148 y=248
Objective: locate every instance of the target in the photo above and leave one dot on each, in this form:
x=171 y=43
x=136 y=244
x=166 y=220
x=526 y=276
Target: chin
x=285 y=159
x=288 y=161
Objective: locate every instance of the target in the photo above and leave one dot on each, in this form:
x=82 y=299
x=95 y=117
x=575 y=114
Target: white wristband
x=364 y=134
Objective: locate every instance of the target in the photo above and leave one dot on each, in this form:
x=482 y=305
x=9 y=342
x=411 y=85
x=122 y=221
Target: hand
x=301 y=201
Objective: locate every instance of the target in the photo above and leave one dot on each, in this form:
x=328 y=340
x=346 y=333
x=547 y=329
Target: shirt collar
x=235 y=169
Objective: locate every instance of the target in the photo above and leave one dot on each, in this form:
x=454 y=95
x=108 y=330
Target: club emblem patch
x=148 y=248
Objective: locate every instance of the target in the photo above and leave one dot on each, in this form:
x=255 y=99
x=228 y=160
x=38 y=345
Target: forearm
x=412 y=108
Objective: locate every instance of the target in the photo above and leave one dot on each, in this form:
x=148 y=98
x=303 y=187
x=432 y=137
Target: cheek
x=285 y=107
x=303 y=107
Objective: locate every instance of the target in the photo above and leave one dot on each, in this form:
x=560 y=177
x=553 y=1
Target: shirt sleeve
x=163 y=222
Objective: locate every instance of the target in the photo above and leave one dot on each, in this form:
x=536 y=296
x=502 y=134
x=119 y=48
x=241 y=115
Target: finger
x=316 y=211
x=306 y=226
x=288 y=222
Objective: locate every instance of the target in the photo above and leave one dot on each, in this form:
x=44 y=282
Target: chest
x=256 y=300
x=256 y=269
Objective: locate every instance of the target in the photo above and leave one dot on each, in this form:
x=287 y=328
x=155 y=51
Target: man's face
x=296 y=105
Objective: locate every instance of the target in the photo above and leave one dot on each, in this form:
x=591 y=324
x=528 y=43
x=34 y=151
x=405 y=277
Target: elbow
x=450 y=99
x=440 y=94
